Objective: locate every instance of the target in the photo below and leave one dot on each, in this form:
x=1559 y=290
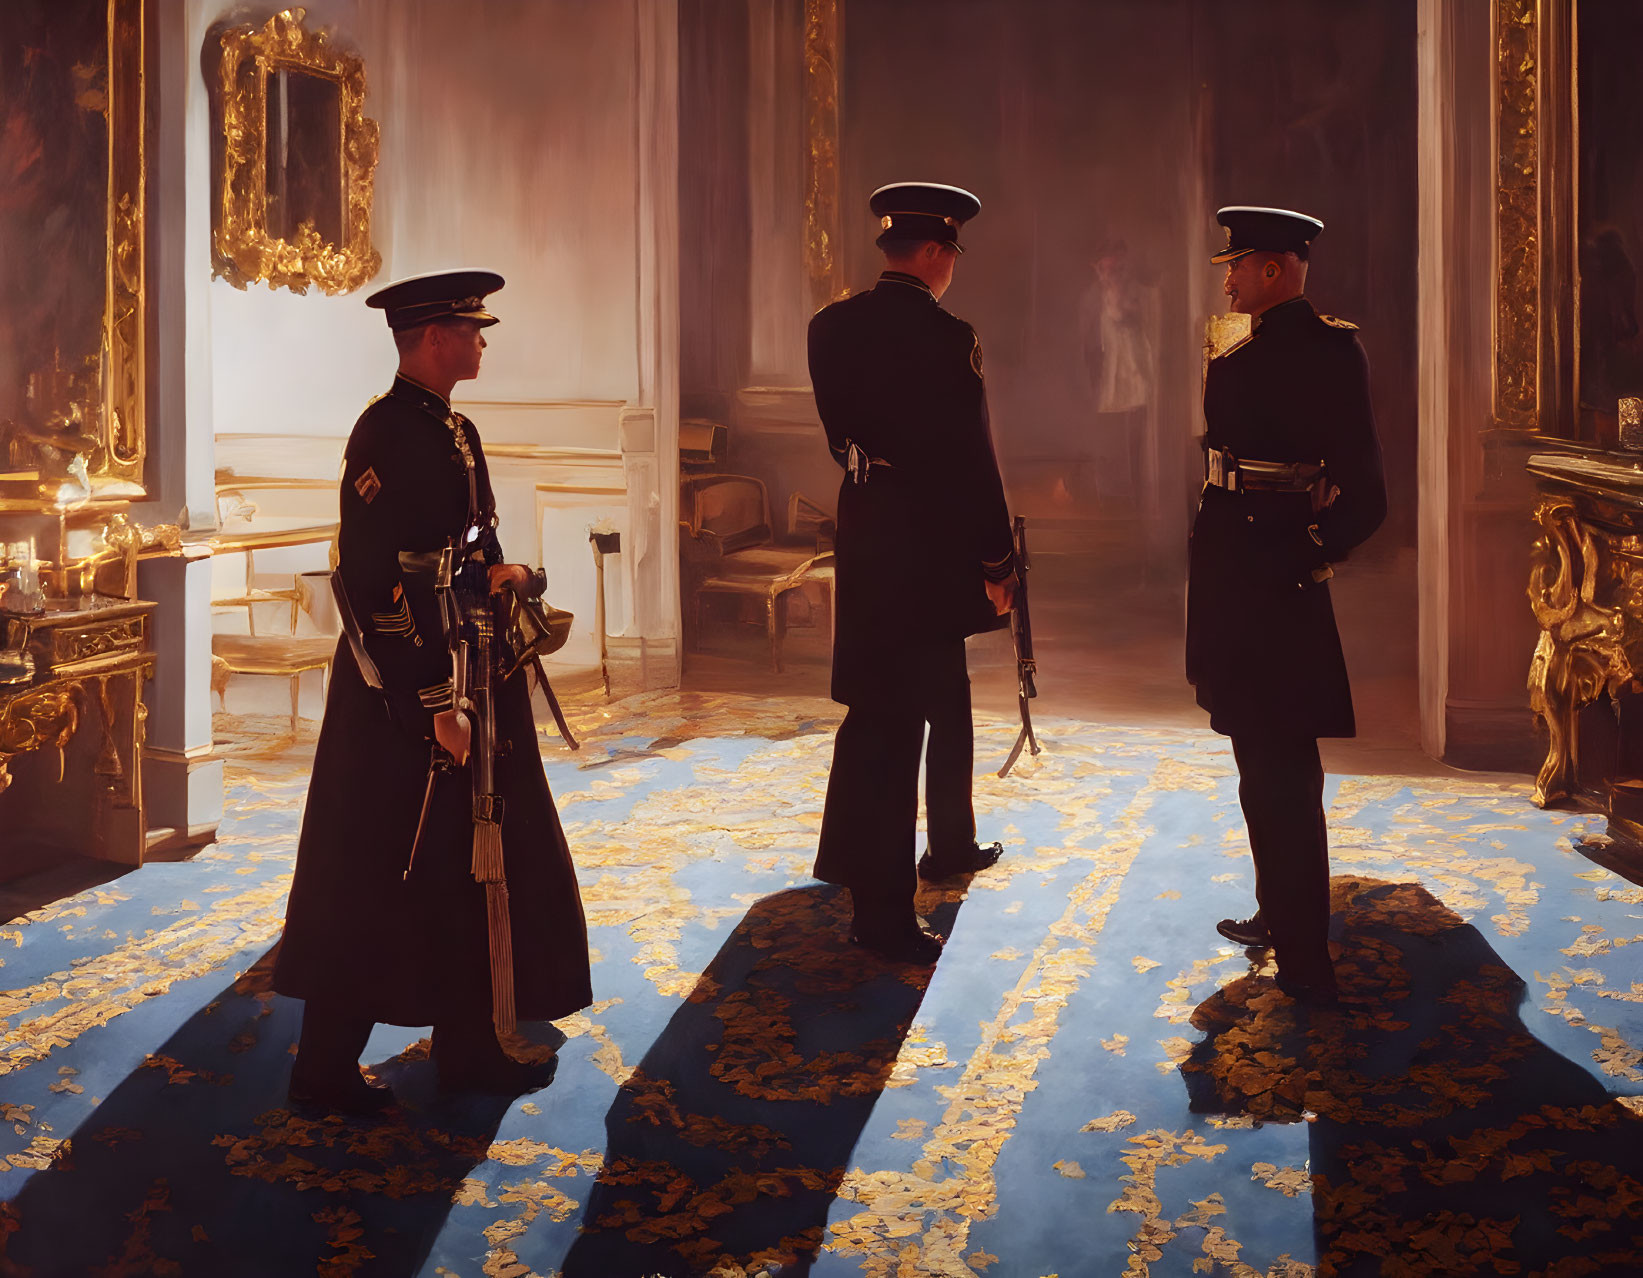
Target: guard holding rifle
x=924 y=559
x=487 y=912
x=1294 y=482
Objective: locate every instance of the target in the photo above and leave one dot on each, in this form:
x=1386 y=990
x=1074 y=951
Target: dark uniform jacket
x=1262 y=648
x=901 y=378
x=415 y=951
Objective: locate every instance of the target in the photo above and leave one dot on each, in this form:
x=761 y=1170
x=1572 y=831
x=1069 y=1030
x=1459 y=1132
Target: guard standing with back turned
x=924 y=559
x=1294 y=482
x=371 y=935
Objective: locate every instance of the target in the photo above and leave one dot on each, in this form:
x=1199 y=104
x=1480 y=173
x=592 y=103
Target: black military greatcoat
x=1262 y=648
x=901 y=378
x=358 y=933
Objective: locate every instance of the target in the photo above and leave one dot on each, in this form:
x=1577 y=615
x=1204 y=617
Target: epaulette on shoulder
x=1336 y=322
x=379 y=415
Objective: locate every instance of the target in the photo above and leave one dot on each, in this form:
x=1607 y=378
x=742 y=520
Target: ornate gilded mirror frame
x=244 y=250
x=82 y=436
x=1536 y=224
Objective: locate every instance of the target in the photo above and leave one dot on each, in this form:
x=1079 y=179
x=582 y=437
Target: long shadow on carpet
x=730 y=1139
x=1444 y=1138
x=195 y=1166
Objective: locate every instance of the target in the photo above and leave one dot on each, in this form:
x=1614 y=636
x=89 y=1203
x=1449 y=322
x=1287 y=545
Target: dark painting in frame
x=72 y=271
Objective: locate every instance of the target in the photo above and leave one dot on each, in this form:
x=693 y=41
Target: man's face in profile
x=1250 y=285
x=462 y=344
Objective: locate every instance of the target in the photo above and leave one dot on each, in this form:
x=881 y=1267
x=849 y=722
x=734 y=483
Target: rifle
x=1026 y=665
x=473 y=622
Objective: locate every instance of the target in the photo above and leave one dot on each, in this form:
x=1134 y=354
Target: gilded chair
x=729 y=548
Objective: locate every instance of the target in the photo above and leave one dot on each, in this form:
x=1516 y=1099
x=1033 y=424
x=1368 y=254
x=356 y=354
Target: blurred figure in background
x=1117 y=316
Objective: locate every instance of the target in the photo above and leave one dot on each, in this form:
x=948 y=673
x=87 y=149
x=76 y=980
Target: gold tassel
x=487 y=858
x=496 y=911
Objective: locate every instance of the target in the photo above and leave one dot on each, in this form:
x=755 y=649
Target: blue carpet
x=1090 y=1083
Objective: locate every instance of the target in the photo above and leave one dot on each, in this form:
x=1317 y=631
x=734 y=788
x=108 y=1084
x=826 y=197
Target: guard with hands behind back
x=923 y=559
x=1293 y=483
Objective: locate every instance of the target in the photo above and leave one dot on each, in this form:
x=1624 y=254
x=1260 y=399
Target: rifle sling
x=553 y=703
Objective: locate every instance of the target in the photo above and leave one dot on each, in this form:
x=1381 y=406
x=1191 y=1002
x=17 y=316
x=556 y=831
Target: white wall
x=526 y=136
x=508 y=141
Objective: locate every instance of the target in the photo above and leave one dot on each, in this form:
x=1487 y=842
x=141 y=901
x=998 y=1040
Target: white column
x=1470 y=552
x=182 y=781
x=650 y=429
x=1435 y=90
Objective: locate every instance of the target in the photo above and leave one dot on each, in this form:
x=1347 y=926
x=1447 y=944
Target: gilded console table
x=71 y=681
x=1586 y=589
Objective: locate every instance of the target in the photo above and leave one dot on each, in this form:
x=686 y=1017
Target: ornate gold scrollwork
x=1586 y=590
x=70 y=646
x=243 y=248
x=44 y=719
x=821 y=179
x=108 y=754
x=1517 y=214
x=129 y=536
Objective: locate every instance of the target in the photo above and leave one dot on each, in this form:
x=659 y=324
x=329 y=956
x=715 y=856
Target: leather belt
x=1243 y=474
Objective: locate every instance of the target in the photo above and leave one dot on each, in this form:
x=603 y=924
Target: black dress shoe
x=910 y=944
x=341 y=1095
x=1251 y=933
x=946 y=864
x=495 y=1076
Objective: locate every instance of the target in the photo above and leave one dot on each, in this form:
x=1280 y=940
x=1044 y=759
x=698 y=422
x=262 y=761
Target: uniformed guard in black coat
x=924 y=559
x=365 y=941
x=1294 y=483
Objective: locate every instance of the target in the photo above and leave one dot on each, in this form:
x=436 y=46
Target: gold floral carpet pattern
x=1090 y=1082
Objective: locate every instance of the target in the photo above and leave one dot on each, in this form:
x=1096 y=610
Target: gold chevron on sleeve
x=396 y=621
x=437 y=696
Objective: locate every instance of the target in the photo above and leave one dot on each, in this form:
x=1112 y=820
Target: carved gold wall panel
x=821 y=193
x=72 y=225
x=1517 y=310
x=123 y=446
x=259 y=70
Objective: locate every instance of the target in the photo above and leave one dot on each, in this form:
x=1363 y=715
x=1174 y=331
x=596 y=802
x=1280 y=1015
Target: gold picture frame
x=245 y=247
x=72 y=429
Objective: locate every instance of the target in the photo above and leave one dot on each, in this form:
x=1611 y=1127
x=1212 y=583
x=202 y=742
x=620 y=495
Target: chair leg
x=773 y=620
x=296 y=693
